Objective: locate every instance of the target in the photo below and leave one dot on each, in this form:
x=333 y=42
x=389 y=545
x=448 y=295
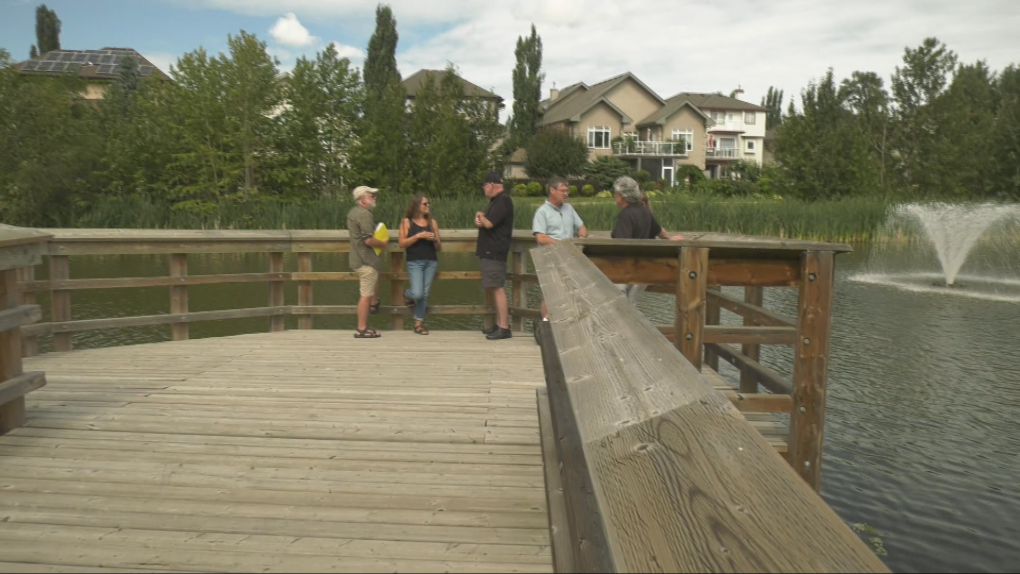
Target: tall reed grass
x=848 y=220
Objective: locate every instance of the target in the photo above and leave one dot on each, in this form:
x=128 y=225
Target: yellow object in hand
x=382 y=234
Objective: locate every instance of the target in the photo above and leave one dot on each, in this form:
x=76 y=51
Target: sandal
x=366 y=334
x=373 y=308
x=421 y=330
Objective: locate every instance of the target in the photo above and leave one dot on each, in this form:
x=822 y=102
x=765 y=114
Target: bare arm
x=437 y=241
x=583 y=232
x=404 y=241
x=544 y=239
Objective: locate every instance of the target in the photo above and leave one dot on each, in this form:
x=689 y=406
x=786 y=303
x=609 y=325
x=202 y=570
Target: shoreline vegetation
x=848 y=220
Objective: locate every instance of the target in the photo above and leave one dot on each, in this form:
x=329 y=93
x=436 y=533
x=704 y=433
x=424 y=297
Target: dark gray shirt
x=636 y=222
x=361 y=226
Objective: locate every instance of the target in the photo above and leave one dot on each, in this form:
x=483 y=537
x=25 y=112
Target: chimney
x=738 y=93
x=553 y=92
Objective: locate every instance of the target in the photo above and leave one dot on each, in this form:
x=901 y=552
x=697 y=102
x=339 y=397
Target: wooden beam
x=712 y=318
x=389 y=310
x=646 y=271
x=690 y=303
x=770 y=379
x=169 y=281
x=397 y=288
x=12 y=407
x=760 y=402
x=276 y=294
x=755 y=297
x=520 y=298
x=590 y=549
x=21 y=385
x=753 y=272
x=29 y=345
x=738 y=334
x=179 y=296
x=757 y=314
x=559 y=522
x=68 y=327
x=60 y=301
x=19 y=316
x=304 y=293
x=811 y=366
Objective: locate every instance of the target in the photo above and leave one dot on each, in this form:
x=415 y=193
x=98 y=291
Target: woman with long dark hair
x=419 y=238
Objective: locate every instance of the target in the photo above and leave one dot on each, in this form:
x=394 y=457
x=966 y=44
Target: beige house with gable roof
x=625 y=118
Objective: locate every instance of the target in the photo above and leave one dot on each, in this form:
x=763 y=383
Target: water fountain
x=986 y=237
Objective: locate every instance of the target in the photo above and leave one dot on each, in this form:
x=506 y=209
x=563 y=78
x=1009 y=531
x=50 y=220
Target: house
x=414 y=82
x=623 y=117
x=98 y=68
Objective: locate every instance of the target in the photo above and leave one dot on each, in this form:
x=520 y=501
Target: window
x=686 y=136
x=631 y=135
x=729 y=117
x=749 y=118
x=598 y=137
x=750 y=145
x=718 y=117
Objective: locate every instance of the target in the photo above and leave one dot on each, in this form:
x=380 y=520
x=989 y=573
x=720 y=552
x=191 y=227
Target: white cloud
x=350 y=52
x=406 y=11
x=162 y=60
x=289 y=32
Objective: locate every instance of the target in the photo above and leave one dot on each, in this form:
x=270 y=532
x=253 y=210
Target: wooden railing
x=659 y=472
x=19 y=249
x=692 y=270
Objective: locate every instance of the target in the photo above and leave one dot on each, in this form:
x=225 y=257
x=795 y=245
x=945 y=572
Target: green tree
x=773 y=101
x=527 y=79
x=555 y=151
x=318 y=127
x=47 y=30
x=382 y=143
x=917 y=87
x=968 y=118
x=604 y=170
x=1005 y=136
x=864 y=95
x=450 y=138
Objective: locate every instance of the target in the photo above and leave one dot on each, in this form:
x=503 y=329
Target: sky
x=671 y=45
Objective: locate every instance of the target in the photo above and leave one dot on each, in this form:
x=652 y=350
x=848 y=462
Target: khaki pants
x=369 y=278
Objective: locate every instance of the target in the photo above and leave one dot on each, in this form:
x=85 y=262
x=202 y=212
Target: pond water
x=922 y=437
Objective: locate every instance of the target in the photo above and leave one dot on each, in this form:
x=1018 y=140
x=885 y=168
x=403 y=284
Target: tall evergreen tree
x=1005 y=136
x=864 y=95
x=47 y=30
x=773 y=101
x=380 y=152
x=527 y=80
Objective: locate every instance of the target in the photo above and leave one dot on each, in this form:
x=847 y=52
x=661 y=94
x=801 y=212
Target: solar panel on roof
x=105 y=60
x=106 y=70
x=30 y=66
x=66 y=56
x=59 y=66
x=53 y=56
x=45 y=66
x=81 y=58
x=145 y=70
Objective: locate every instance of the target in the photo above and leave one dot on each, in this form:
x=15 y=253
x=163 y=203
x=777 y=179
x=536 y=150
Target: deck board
x=296 y=450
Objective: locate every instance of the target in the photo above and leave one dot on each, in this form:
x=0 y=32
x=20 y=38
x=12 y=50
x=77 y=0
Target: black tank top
x=421 y=249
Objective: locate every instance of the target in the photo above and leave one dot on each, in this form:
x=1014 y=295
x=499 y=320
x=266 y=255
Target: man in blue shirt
x=556 y=220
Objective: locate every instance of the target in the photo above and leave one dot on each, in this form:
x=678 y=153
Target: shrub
x=650 y=186
x=573 y=190
x=535 y=189
x=641 y=176
x=604 y=193
x=588 y=190
x=520 y=190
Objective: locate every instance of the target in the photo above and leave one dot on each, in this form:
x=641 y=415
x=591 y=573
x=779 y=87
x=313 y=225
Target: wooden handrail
x=660 y=472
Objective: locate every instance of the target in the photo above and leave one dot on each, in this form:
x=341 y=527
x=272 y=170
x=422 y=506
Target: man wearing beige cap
x=363 y=258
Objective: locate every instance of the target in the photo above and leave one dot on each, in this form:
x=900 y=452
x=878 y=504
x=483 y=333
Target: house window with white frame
x=749 y=118
x=750 y=146
x=686 y=136
x=599 y=136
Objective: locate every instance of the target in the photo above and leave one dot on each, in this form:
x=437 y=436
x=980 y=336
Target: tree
x=968 y=118
x=1005 y=136
x=318 y=128
x=527 y=78
x=773 y=101
x=604 y=170
x=916 y=88
x=33 y=53
x=864 y=96
x=555 y=152
x=47 y=30
x=382 y=135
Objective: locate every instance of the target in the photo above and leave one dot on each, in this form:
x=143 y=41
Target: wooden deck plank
x=295 y=450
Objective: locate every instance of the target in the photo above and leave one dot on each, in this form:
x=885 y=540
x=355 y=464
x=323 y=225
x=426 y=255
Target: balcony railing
x=667 y=148
x=722 y=153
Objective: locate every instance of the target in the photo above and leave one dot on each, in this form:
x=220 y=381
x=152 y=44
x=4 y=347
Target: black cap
x=493 y=177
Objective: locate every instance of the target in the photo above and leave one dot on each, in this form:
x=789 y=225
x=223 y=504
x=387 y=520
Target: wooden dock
x=290 y=451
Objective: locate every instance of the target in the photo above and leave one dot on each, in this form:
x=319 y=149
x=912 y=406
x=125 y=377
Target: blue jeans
x=421 y=273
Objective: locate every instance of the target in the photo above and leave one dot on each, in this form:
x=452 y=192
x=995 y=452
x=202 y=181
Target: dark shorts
x=493 y=273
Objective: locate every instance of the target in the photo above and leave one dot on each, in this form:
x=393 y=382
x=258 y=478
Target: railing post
x=276 y=322
x=748 y=378
x=520 y=297
x=304 y=289
x=60 y=300
x=712 y=317
x=811 y=366
x=179 y=296
x=690 y=303
x=12 y=413
x=397 y=290
x=29 y=345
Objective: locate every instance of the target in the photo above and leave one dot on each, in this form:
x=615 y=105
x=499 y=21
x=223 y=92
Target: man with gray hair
x=635 y=222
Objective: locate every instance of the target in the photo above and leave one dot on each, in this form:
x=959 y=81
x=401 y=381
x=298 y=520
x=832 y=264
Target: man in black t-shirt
x=635 y=222
x=495 y=231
